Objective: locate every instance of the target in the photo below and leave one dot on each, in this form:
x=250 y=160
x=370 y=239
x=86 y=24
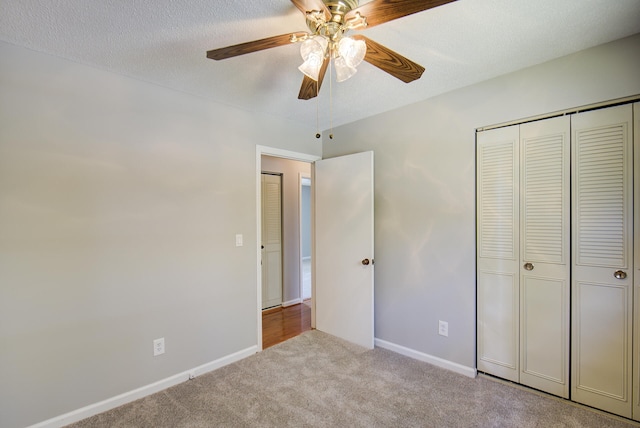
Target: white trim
x=291 y=302
x=300 y=272
x=286 y=154
x=594 y=106
x=128 y=397
x=421 y=356
x=301 y=179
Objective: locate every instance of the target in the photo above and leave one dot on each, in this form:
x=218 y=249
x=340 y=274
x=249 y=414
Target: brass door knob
x=620 y=274
x=365 y=262
x=528 y=266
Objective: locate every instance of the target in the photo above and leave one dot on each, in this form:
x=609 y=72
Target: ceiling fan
x=328 y=21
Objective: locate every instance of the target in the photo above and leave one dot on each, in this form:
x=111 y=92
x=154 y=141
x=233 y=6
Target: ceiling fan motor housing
x=339 y=8
x=334 y=28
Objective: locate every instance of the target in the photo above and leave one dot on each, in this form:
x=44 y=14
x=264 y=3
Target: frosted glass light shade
x=312 y=52
x=353 y=51
x=313 y=46
x=343 y=70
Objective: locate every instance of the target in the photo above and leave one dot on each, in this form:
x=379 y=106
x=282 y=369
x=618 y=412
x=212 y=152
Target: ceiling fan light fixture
x=353 y=51
x=313 y=52
x=328 y=21
x=343 y=70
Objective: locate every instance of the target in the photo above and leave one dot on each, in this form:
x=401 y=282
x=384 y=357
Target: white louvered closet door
x=544 y=255
x=271 y=240
x=497 y=252
x=602 y=255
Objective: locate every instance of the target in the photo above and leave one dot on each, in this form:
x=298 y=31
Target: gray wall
x=119 y=205
x=290 y=220
x=425 y=188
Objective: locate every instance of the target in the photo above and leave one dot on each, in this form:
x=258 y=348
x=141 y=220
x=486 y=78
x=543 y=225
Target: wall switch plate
x=239 y=240
x=158 y=347
x=443 y=328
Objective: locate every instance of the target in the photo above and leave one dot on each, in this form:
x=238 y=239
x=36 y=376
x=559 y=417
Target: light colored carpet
x=316 y=380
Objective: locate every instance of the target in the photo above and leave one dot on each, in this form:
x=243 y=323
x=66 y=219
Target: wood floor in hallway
x=280 y=324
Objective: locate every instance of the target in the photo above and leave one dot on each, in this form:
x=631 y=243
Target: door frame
x=285 y=154
x=301 y=178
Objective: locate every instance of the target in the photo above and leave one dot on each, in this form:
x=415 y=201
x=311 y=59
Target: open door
x=344 y=247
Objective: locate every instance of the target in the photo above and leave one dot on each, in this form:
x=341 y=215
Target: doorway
x=293 y=167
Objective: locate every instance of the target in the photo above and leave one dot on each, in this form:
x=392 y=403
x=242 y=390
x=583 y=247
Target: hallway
x=280 y=324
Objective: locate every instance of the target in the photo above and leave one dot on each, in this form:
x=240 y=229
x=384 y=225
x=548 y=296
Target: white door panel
x=544 y=334
x=498 y=248
x=544 y=255
x=498 y=324
x=602 y=245
x=343 y=239
x=271 y=240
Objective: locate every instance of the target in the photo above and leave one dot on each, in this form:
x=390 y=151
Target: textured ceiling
x=165 y=41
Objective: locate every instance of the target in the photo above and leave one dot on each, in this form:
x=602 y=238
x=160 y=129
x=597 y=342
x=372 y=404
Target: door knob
x=365 y=262
x=620 y=274
x=528 y=266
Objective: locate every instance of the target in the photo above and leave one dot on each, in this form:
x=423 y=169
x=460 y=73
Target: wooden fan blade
x=390 y=61
x=310 y=87
x=249 y=47
x=309 y=5
x=381 y=11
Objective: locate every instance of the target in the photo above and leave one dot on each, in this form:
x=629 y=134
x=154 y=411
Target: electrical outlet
x=158 y=347
x=443 y=328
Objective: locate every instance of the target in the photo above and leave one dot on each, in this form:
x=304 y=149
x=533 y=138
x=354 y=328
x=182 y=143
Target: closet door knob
x=365 y=262
x=528 y=266
x=620 y=274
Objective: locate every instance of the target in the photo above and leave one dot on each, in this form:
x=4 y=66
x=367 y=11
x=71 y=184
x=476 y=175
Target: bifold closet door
x=523 y=254
x=602 y=243
x=544 y=255
x=497 y=251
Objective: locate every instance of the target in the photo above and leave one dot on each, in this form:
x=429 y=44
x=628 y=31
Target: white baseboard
x=291 y=302
x=436 y=361
x=127 y=397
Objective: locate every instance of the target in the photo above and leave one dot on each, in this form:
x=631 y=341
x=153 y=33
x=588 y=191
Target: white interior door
x=602 y=275
x=344 y=247
x=271 y=240
x=498 y=252
x=544 y=255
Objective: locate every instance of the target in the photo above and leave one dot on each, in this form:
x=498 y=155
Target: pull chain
x=330 y=100
x=317 y=109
